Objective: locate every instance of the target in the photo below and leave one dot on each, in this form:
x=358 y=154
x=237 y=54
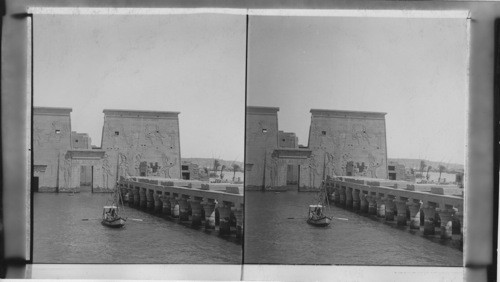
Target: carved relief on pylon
x=106 y=170
x=167 y=164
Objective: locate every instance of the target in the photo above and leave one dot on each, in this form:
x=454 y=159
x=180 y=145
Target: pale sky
x=193 y=64
x=415 y=70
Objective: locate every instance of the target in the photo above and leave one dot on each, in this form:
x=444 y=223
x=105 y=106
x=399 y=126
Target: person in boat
x=318 y=211
x=110 y=214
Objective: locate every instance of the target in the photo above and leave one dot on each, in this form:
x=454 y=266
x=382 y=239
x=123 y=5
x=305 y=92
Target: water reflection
x=271 y=237
x=61 y=236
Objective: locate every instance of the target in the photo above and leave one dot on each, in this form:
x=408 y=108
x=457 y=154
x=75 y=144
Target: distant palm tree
x=427 y=175
x=216 y=164
x=441 y=169
x=236 y=168
x=221 y=169
x=422 y=166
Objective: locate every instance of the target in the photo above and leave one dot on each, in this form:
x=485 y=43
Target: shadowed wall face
x=140 y=143
x=51 y=140
x=348 y=143
x=261 y=140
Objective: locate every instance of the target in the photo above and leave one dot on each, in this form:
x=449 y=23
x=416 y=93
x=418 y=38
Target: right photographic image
x=356 y=139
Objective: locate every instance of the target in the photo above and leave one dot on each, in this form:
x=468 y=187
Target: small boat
x=316 y=216
x=110 y=217
x=110 y=212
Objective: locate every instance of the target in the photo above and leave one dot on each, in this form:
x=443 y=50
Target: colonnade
x=221 y=211
x=433 y=214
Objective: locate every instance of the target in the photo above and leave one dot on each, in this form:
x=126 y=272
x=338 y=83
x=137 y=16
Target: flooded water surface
x=62 y=236
x=277 y=233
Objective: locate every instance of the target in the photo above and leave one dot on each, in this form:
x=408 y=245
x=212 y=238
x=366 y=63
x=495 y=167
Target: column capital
x=411 y=204
x=429 y=211
x=194 y=200
x=445 y=213
x=208 y=201
x=400 y=203
x=226 y=204
x=380 y=200
x=239 y=207
x=370 y=198
x=389 y=202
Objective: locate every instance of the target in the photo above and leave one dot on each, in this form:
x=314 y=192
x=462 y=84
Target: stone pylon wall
x=261 y=140
x=345 y=142
x=137 y=141
x=51 y=140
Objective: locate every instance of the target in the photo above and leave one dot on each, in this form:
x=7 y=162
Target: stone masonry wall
x=347 y=143
x=261 y=140
x=51 y=140
x=139 y=142
x=287 y=140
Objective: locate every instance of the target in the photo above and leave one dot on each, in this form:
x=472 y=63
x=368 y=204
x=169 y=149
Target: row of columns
x=201 y=212
x=399 y=210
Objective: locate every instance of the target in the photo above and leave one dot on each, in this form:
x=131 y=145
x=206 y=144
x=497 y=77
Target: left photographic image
x=138 y=138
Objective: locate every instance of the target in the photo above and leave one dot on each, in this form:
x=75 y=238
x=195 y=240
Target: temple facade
x=134 y=143
x=341 y=143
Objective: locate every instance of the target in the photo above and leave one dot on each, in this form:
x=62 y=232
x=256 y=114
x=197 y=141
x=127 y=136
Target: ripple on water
x=60 y=236
x=271 y=237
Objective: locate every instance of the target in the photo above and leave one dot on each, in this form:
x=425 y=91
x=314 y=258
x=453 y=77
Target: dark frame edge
x=492 y=269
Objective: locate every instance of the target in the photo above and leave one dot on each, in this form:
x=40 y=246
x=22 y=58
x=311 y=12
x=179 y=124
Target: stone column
x=401 y=208
x=446 y=225
x=380 y=206
x=330 y=193
x=209 y=207
x=195 y=212
x=157 y=203
x=142 y=197
x=238 y=213
x=363 y=203
x=342 y=198
x=123 y=194
x=348 y=198
x=183 y=209
x=336 y=196
x=429 y=213
x=131 y=197
x=355 y=199
x=389 y=209
x=224 y=214
x=150 y=203
x=415 y=215
x=75 y=178
x=174 y=207
x=460 y=217
x=137 y=197
x=166 y=209
x=372 y=205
